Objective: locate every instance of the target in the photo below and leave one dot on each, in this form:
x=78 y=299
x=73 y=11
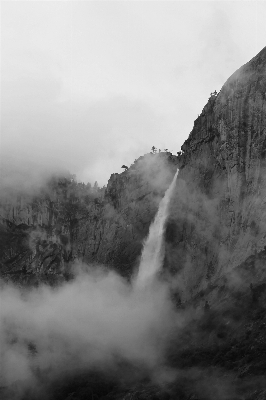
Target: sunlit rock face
x=218 y=215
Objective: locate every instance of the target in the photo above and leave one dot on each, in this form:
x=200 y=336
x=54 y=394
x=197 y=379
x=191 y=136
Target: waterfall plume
x=153 y=249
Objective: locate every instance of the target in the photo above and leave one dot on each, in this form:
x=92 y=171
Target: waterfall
x=153 y=249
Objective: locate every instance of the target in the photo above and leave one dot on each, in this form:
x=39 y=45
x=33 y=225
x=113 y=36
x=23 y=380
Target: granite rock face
x=130 y=203
x=218 y=217
x=43 y=235
x=36 y=229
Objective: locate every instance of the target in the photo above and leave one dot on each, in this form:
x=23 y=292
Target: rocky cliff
x=218 y=217
x=37 y=228
x=42 y=235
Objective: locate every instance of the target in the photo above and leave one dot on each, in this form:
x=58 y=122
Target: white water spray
x=153 y=249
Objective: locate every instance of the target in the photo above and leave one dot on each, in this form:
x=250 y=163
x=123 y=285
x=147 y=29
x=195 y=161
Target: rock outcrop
x=42 y=235
x=218 y=217
x=37 y=229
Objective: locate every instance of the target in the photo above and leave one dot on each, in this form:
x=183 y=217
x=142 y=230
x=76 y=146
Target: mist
x=95 y=321
x=88 y=86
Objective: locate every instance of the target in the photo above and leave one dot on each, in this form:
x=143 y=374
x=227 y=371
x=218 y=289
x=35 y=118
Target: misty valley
x=153 y=287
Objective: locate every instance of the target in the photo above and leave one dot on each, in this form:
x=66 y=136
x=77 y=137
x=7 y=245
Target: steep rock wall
x=131 y=200
x=218 y=216
x=42 y=235
x=36 y=229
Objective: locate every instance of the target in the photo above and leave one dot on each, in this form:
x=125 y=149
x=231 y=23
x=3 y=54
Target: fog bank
x=94 y=321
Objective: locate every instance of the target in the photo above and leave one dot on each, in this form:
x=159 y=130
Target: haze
x=90 y=86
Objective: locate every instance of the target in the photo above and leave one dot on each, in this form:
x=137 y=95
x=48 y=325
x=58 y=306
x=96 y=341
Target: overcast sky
x=92 y=85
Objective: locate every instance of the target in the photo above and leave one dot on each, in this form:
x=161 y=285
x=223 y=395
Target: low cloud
x=92 y=322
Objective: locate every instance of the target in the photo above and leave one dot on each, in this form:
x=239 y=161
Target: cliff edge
x=218 y=217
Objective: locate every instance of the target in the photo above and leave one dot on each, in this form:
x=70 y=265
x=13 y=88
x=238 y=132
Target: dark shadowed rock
x=218 y=216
